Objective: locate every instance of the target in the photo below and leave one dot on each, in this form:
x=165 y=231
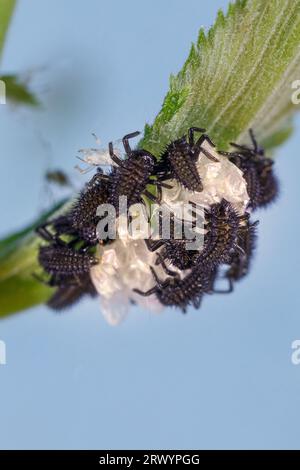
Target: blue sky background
x=220 y=377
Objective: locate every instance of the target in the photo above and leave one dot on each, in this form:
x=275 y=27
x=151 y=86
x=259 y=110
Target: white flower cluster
x=125 y=264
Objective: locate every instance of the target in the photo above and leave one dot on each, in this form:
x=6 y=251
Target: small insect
x=71 y=291
x=262 y=184
x=132 y=175
x=181 y=292
x=96 y=156
x=179 y=160
x=62 y=260
x=221 y=238
x=58 y=177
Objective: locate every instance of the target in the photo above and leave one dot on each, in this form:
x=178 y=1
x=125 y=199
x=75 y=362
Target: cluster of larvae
x=71 y=241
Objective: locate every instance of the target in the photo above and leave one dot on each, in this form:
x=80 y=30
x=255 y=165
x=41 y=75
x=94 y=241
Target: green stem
x=6 y=10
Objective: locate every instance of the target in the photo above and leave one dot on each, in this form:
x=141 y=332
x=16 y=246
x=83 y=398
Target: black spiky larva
x=174 y=249
x=221 y=238
x=179 y=160
x=176 y=252
x=62 y=260
x=220 y=241
x=241 y=259
x=269 y=184
x=262 y=184
x=132 y=175
x=71 y=291
x=249 y=169
x=83 y=215
x=81 y=220
x=181 y=292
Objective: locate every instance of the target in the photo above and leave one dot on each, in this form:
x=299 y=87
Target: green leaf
x=17 y=91
x=11 y=242
x=18 y=261
x=19 y=290
x=6 y=10
x=238 y=75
